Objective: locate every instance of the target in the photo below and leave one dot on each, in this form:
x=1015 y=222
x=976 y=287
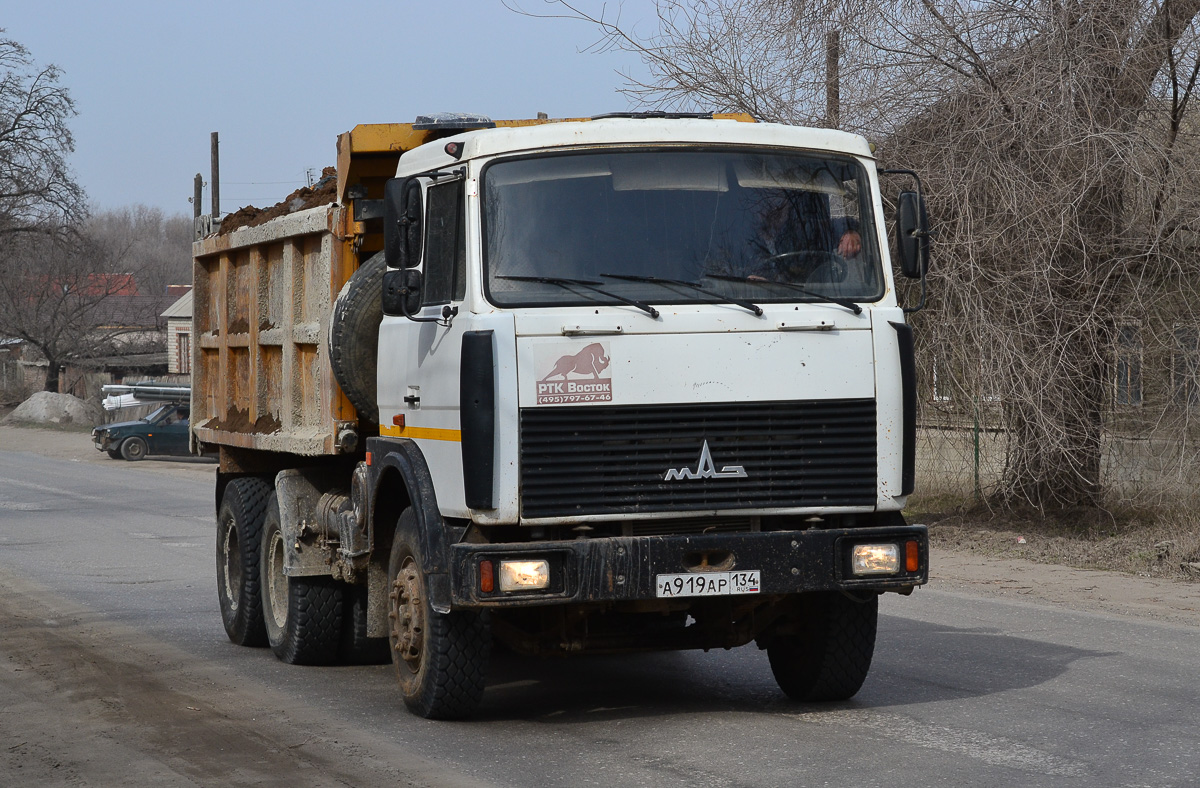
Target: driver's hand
x=850 y=245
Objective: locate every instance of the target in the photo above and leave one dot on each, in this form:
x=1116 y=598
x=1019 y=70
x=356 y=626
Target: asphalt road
x=115 y=670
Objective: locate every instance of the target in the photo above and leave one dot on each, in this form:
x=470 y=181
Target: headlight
x=875 y=559
x=524 y=575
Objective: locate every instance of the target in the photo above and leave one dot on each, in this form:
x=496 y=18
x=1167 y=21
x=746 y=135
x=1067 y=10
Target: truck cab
x=721 y=280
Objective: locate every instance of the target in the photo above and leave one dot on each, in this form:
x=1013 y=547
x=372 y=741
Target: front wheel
x=826 y=651
x=440 y=658
x=303 y=615
x=133 y=449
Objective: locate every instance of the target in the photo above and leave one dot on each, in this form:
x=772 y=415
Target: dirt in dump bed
x=239 y=421
x=323 y=192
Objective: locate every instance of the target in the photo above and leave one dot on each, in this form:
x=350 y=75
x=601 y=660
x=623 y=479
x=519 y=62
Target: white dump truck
x=601 y=385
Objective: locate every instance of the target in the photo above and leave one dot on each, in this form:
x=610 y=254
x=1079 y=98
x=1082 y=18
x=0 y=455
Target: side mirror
x=402 y=292
x=402 y=219
x=912 y=231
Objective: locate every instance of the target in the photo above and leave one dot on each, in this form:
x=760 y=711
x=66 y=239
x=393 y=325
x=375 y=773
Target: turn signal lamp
x=487 y=577
x=875 y=559
x=912 y=556
x=524 y=575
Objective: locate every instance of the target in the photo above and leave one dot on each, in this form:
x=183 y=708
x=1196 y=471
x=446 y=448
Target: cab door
x=423 y=354
x=173 y=436
x=169 y=434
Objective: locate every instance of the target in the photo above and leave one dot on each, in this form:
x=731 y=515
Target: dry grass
x=1146 y=543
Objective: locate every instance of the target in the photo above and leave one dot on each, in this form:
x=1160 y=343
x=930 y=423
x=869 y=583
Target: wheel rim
x=231 y=549
x=276 y=581
x=407 y=615
x=135 y=449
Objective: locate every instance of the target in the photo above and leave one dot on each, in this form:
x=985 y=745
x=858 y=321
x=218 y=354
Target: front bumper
x=101 y=442
x=625 y=568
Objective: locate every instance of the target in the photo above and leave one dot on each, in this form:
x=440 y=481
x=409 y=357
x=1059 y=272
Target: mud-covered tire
x=134 y=449
x=354 y=335
x=303 y=615
x=239 y=536
x=440 y=658
x=357 y=648
x=829 y=655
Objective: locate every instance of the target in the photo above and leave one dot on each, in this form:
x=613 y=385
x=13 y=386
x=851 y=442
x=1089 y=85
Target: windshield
x=169 y=414
x=650 y=225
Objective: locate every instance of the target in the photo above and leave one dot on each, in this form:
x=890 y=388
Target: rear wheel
x=826 y=651
x=303 y=615
x=133 y=449
x=440 y=658
x=239 y=533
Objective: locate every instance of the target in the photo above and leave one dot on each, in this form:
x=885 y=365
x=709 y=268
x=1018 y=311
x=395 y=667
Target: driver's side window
x=445 y=244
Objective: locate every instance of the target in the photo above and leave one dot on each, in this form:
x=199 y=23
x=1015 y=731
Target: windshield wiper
x=590 y=285
x=658 y=280
x=846 y=302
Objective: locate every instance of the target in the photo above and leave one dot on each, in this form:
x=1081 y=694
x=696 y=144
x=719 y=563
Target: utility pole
x=833 y=53
x=197 y=196
x=216 y=181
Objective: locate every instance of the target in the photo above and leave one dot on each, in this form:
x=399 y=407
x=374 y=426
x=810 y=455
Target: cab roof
x=622 y=131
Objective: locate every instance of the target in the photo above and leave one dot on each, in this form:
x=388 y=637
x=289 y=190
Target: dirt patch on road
x=1156 y=544
x=1095 y=591
x=87 y=702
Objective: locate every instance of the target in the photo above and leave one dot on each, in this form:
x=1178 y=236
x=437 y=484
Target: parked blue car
x=165 y=431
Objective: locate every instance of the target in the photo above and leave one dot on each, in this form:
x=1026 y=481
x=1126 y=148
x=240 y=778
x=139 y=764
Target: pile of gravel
x=47 y=407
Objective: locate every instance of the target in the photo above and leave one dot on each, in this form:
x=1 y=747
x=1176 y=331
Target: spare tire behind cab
x=354 y=336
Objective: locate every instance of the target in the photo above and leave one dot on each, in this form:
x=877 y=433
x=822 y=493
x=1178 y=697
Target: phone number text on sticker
x=559 y=399
x=708 y=584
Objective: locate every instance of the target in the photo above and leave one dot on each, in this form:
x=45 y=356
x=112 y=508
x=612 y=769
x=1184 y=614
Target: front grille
x=612 y=460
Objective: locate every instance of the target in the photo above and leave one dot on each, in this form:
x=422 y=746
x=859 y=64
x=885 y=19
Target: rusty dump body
x=262 y=381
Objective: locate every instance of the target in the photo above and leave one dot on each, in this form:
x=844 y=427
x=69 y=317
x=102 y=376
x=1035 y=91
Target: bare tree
x=72 y=298
x=1052 y=135
x=1041 y=147
x=37 y=190
x=765 y=58
x=157 y=246
x=73 y=286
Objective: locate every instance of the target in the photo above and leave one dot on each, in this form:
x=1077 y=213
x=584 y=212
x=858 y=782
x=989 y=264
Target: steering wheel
x=798 y=266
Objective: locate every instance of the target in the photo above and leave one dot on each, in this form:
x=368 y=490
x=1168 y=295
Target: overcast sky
x=280 y=80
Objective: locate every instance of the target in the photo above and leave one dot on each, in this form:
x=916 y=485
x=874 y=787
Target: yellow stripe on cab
x=428 y=433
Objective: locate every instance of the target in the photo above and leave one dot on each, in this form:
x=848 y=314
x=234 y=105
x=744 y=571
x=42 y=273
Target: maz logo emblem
x=705 y=469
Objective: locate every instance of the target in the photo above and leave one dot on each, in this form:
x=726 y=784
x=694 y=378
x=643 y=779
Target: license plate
x=708 y=584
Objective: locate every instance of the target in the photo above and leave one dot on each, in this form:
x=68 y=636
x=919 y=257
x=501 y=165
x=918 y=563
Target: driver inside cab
x=796 y=234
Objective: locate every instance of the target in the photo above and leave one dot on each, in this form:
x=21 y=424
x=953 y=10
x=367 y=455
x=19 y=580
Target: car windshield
x=167 y=414
x=678 y=226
